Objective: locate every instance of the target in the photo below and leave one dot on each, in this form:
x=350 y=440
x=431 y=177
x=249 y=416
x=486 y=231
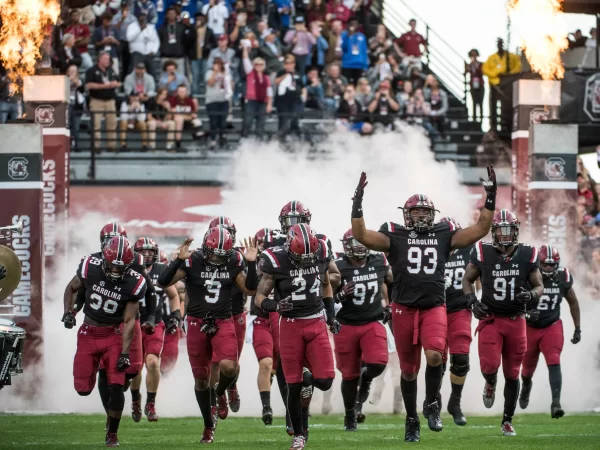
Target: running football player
x=152 y=344
x=544 y=327
x=362 y=337
x=510 y=281
x=112 y=295
x=418 y=252
x=210 y=273
x=298 y=271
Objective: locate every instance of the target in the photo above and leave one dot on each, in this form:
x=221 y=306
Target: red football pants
x=201 y=346
x=459 y=333
x=152 y=344
x=549 y=341
x=359 y=342
x=502 y=338
x=170 y=351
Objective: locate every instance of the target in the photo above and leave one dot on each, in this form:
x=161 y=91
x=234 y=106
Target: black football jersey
x=105 y=299
x=161 y=296
x=455 y=269
x=208 y=287
x=418 y=262
x=365 y=306
x=555 y=289
x=303 y=285
x=238 y=299
x=501 y=278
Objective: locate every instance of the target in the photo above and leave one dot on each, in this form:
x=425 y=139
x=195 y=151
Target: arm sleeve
x=475 y=256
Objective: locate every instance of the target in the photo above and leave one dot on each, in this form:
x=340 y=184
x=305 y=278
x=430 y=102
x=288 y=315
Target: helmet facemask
x=114 y=270
x=419 y=218
x=355 y=250
x=548 y=268
x=289 y=221
x=302 y=260
x=505 y=235
x=216 y=257
x=150 y=256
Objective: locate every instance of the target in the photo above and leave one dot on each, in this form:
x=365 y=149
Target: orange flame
x=25 y=25
x=543 y=34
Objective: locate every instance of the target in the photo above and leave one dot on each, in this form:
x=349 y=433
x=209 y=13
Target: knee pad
x=374 y=370
x=459 y=365
x=116 y=401
x=84 y=393
x=323 y=384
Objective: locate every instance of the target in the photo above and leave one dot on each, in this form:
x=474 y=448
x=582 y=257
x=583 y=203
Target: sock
x=135 y=395
x=203 y=399
x=295 y=407
x=555 y=381
x=349 y=393
x=265 y=398
x=433 y=379
x=456 y=392
x=409 y=394
x=527 y=380
x=103 y=389
x=304 y=418
x=224 y=383
x=213 y=396
x=491 y=378
x=113 y=424
x=151 y=397
x=511 y=394
x=233 y=385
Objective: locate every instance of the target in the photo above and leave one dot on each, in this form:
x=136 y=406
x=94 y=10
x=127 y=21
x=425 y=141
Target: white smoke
x=263 y=178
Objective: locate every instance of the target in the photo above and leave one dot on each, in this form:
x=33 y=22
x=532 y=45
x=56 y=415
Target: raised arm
x=373 y=240
x=467 y=236
x=574 y=306
x=173 y=272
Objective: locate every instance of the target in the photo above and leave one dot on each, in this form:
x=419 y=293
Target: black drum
x=12 y=341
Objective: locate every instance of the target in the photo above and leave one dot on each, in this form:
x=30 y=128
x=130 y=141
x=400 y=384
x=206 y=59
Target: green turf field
x=378 y=432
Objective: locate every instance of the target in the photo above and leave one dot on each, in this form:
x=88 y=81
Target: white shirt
x=590 y=43
x=126 y=115
x=216 y=17
x=142 y=41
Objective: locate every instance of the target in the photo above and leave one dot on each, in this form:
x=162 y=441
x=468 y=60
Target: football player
x=210 y=273
x=418 y=252
x=510 y=281
x=298 y=271
x=544 y=327
x=362 y=337
x=459 y=326
x=112 y=295
x=152 y=344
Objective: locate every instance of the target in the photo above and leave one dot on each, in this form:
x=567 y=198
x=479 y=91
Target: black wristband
x=578 y=329
x=357 y=211
x=252 y=276
x=169 y=273
x=329 y=308
x=269 y=305
x=490 y=202
x=471 y=298
x=176 y=314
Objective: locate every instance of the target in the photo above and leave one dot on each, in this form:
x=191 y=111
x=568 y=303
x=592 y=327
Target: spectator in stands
x=493 y=150
x=379 y=44
x=76 y=103
x=334 y=83
x=396 y=73
x=417 y=112
x=261 y=31
x=253 y=16
x=576 y=39
x=355 y=53
x=474 y=69
x=416 y=77
x=317 y=58
x=171 y=79
x=143 y=43
x=408 y=45
x=105 y=38
x=67 y=54
x=140 y=82
x=133 y=117
x=336 y=10
x=403 y=97
x=159 y=117
x=226 y=54
x=584 y=192
x=272 y=52
x=290 y=97
x=217 y=15
x=364 y=92
x=219 y=90
x=9 y=99
x=82 y=39
x=500 y=63
x=591 y=42
x=102 y=7
x=317 y=12
x=258 y=97
x=147 y=8
x=121 y=21
x=185 y=112
x=199 y=44
x=171 y=36
x=383 y=108
x=102 y=83
x=239 y=27
x=438 y=100
x=352 y=114
x=334 y=39
x=300 y=42
x=83 y=8
x=284 y=8
x=315 y=94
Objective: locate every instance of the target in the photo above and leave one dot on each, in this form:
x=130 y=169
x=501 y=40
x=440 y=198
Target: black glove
x=346 y=291
x=334 y=326
x=480 y=311
x=148 y=325
x=471 y=299
x=576 y=336
x=174 y=321
x=532 y=315
x=387 y=314
x=491 y=188
x=123 y=363
x=283 y=305
x=357 y=212
x=525 y=296
x=209 y=326
x=68 y=319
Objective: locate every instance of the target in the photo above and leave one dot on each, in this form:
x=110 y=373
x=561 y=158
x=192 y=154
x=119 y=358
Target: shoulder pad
x=479 y=249
x=238 y=258
x=269 y=262
x=531 y=253
x=389 y=227
x=140 y=283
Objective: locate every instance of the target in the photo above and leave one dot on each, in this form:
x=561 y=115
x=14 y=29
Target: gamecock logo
x=17 y=168
x=591 y=104
x=412 y=235
x=44 y=115
x=555 y=168
x=538 y=115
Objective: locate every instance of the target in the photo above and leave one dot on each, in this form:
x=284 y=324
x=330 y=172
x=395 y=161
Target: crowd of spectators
x=267 y=56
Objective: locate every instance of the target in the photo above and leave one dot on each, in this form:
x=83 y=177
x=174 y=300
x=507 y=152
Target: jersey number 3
x=416 y=256
x=300 y=293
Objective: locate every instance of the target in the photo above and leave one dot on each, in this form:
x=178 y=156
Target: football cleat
x=150 y=412
x=234 y=399
x=412 y=429
x=208 y=436
x=360 y=416
x=289 y=428
x=455 y=411
x=364 y=387
x=433 y=417
x=439 y=401
x=350 y=422
x=489 y=395
x=222 y=409
x=136 y=411
x=525 y=393
x=507 y=429
x=298 y=443
x=215 y=415
x=556 y=410
x=267 y=415
x=112 y=440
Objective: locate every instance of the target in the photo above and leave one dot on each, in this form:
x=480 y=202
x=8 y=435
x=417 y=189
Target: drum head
x=10 y=271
